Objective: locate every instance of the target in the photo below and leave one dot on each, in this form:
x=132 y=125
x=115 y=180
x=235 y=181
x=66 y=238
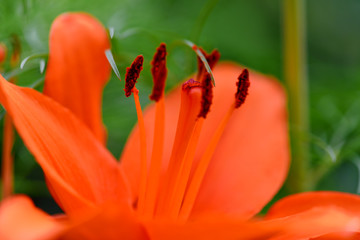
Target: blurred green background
x=247 y=32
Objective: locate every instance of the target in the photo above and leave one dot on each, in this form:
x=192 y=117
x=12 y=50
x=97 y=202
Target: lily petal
x=213 y=229
x=316 y=222
x=81 y=172
x=111 y=222
x=315 y=214
x=303 y=201
x=339 y=236
x=20 y=219
x=250 y=162
x=77 y=68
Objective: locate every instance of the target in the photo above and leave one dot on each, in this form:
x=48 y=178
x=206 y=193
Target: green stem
x=296 y=81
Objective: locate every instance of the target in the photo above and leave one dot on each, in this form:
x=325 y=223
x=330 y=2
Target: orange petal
x=81 y=172
x=303 y=201
x=317 y=222
x=251 y=161
x=339 y=236
x=20 y=219
x=77 y=68
x=212 y=229
x=327 y=213
x=111 y=222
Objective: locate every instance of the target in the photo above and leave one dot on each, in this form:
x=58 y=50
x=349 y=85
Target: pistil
x=183 y=173
x=189 y=109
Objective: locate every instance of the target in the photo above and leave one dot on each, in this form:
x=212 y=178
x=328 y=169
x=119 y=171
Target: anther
x=159 y=72
x=242 y=88
x=132 y=74
x=206 y=95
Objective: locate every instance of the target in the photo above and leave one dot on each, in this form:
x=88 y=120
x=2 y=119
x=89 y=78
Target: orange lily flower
x=203 y=178
x=99 y=196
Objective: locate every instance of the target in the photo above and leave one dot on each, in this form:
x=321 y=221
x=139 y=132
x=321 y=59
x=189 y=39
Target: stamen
x=211 y=58
x=132 y=74
x=7 y=159
x=143 y=161
x=207 y=95
x=159 y=72
x=242 y=88
x=195 y=183
x=200 y=171
x=156 y=158
x=182 y=175
x=189 y=109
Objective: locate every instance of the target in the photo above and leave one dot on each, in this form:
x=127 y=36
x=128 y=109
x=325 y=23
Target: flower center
x=172 y=194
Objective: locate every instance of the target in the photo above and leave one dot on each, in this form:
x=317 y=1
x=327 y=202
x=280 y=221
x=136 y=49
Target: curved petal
x=303 y=201
x=317 y=222
x=339 y=236
x=77 y=68
x=319 y=214
x=79 y=169
x=20 y=219
x=251 y=161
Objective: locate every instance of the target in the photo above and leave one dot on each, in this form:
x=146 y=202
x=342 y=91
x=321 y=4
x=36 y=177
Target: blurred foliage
x=248 y=32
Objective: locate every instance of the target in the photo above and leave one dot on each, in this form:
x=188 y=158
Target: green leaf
x=42 y=65
x=37 y=83
x=31 y=57
x=111 y=60
x=111 y=31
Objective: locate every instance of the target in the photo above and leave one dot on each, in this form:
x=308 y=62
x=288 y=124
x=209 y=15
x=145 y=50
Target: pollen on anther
x=159 y=72
x=242 y=88
x=206 y=95
x=132 y=74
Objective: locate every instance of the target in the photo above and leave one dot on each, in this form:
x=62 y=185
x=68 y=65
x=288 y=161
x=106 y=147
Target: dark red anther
x=189 y=84
x=206 y=95
x=159 y=72
x=211 y=58
x=132 y=74
x=242 y=88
